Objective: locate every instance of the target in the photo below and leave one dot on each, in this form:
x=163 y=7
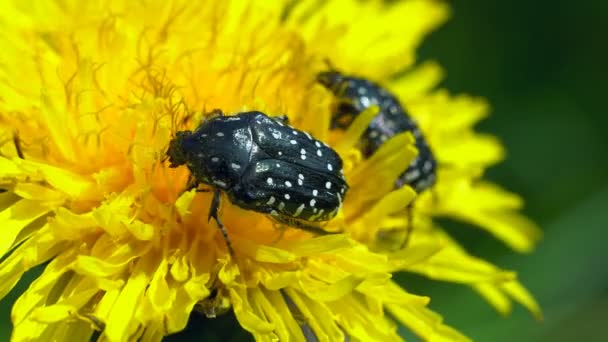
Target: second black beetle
x=356 y=94
x=264 y=165
x=353 y=96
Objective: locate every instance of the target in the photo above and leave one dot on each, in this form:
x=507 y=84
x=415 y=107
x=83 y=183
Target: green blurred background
x=543 y=67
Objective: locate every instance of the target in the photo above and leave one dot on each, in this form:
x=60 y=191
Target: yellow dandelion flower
x=90 y=96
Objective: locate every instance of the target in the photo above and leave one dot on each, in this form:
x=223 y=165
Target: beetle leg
x=434 y=196
x=212 y=306
x=290 y=221
x=410 y=225
x=214 y=213
x=281 y=228
x=214 y=113
x=192 y=183
x=283 y=118
x=17 y=143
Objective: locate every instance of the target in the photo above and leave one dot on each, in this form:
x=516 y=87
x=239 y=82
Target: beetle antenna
x=329 y=64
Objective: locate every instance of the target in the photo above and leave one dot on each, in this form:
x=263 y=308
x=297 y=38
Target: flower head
x=93 y=92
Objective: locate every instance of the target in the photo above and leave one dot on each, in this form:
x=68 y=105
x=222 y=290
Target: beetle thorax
x=219 y=153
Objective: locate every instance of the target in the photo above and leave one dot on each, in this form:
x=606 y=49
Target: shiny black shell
x=264 y=165
x=353 y=96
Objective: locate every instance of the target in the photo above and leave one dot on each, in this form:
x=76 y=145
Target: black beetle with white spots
x=264 y=165
x=353 y=96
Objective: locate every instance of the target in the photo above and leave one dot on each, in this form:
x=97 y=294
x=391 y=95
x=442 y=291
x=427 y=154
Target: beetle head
x=331 y=80
x=176 y=151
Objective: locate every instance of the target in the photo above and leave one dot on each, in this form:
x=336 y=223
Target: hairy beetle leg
x=301 y=225
x=410 y=225
x=282 y=118
x=214 y=213
x=17 y=143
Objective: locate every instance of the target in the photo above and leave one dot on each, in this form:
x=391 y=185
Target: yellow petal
x=418 y=81
x=120 y=324
x=276 y=280
x=495 y=297
x=180 y=270
x=39 y=192
x=386 y=164
x=41 y=290
x=244 y=313
x=425 y=323
x=352 y=135
x=159 y=293
x=36 y=250
x=292 y=328
x=8 y=168
x=320 y=245
x=63 y=180
x=317 y=316
x=354 y=318
x=15 y=218
x=324 y=292
x=389 y=292
x=184 y=201
x=452 y=264
x=477 y=149
x=523 y=296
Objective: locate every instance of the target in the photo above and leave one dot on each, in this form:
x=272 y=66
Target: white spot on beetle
x=365 y=102
x=215 y=159
x=299 y=210
x=276 y=135
x=274 y=213
x=300 y=182
x=328 y=185
x=412 y=175
x=329 y=167
x=281 y=206
x=235 y=166
x=219 y=134
x=319 y=153
x=269 y=181
x=288 y=184
x=314 y=210
x=287 y=196
x=293 y=142
x=219 y=183
x=313 y=202
x=300 y=176
x=427 y=166
x=280 y=153
x=271 y=200
x=318 y=144
x=302 y=151
x=294 y=132
x=303 y=156
x=315 y=192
